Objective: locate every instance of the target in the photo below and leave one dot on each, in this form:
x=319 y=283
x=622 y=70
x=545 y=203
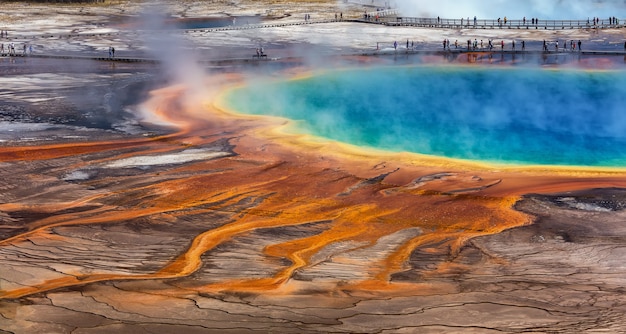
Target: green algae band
x=512 y=116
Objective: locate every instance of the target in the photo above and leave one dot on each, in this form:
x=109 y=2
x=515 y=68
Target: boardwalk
x=386 y=17
x=444 y=53
x=393 y=18
x=383 y=17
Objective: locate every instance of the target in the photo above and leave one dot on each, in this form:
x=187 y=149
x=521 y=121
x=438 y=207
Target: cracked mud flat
x=204 y=223
x=562 y=274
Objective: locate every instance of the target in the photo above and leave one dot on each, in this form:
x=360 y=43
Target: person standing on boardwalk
x=580 y=46
x=113 y=52
x=523 y=45
x=395 y=45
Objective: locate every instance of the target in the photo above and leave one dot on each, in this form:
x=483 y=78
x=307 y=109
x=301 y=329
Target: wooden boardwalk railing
x=392 y=19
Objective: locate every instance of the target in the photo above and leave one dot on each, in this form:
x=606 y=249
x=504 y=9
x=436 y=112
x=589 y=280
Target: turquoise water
x=511 y=116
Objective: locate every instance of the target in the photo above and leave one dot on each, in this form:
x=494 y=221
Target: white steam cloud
x=172 y=49
x=179 y=63
x=514 y=9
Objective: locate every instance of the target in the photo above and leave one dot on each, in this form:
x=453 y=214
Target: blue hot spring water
x=506 y=116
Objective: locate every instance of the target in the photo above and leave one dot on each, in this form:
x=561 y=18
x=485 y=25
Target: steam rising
x=178 y=60
x=514 y=9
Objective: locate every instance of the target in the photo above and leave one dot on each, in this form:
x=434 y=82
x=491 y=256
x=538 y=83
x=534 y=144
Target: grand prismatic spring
x=524 y=115
x=325 y=189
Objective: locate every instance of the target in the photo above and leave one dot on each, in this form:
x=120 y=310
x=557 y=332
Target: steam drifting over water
x=525 y=115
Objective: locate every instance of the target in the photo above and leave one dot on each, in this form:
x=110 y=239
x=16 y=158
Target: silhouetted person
x=580 y=45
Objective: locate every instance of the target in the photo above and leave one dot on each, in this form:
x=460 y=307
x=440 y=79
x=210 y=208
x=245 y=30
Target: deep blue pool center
x=504 y=115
